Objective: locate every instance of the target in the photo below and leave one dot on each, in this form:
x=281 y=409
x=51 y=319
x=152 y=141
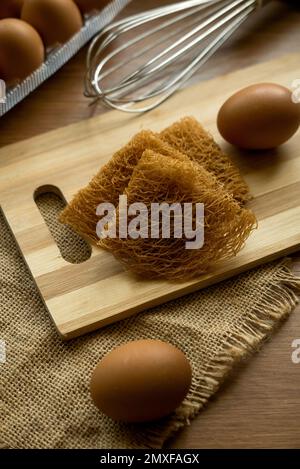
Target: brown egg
x=56 y=20
x=261 y=116
x=140 y=381
x=89 y=5
x=21 y=50
x=10 y=8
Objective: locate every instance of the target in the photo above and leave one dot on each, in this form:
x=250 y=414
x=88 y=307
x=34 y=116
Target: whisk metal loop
x=193 y=31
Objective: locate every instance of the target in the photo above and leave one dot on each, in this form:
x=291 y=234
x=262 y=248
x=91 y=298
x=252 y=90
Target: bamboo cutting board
x=83 y=297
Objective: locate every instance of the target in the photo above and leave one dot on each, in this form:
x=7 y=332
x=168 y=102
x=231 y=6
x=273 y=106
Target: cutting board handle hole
x=50 y=202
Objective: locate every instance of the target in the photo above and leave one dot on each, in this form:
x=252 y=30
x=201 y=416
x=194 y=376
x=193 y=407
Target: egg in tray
x=29 y=29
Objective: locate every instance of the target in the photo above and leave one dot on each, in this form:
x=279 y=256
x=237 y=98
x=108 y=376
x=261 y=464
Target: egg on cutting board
x=141 y=381
x=55 y=20
x=259 y=117
x=21 y=50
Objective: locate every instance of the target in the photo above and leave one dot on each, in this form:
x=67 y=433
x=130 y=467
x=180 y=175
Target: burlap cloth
x=44 y=384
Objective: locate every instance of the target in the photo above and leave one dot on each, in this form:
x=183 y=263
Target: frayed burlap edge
x=277 y=302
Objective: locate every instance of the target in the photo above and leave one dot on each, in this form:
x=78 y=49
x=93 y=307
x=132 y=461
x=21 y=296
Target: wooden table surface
x=259 y=405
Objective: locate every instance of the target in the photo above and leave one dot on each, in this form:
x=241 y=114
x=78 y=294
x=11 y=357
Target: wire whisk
x=166 y=46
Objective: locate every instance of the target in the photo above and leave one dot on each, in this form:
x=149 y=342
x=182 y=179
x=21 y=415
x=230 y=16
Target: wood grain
x=260 y=406
x=86 y=296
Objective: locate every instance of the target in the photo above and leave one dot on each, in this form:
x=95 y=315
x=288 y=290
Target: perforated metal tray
x=61 y=55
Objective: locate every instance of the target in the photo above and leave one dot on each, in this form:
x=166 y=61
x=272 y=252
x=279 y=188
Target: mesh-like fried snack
x=158 y=178
x=110 y=182
x=190 y=138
